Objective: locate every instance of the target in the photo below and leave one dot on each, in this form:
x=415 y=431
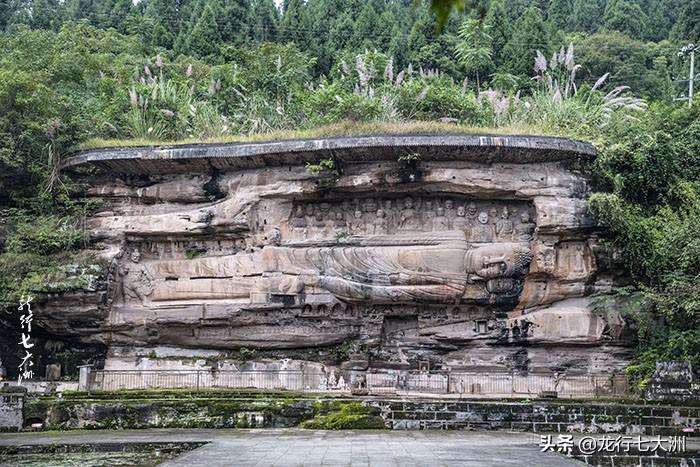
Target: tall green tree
x=368 y=31
x=205 y=38
x=500 y=30
x=294 y=25
x=630 y=62
x=530 y=35
x=233 y=18
x=166 y=21
x=559 y=13
x=430 y=52
x=516 y=9
x=264 y=21
x=84 y=9
x=189 y=15
x=45 y=14
x=398 y=43
x=6 y=11
x=119 y=16
x=586 y=15
x=662 y=15
x=474 y=47
x=687 y=29
x=625 y=16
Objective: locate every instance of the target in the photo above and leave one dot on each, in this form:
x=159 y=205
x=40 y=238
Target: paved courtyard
x=294 y=447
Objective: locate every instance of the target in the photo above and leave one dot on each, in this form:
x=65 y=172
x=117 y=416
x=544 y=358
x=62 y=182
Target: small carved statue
x=380 y=223
x=579 y=260
x=428 y=215
x=482 y=231
x=339 y=224
x=310 y=210
x=325 y=209
x=524 y=230
x=320 y=224
x=493 y=215
x=275 y=237
x=409 y=219
x=504 y=226
x=471 y=211
x=440 y=221
x=546 y=259
x=450 y=211
x=390 y=215
x=357 y=225
x=460 y=222
x=137 y=282
x=369 y=205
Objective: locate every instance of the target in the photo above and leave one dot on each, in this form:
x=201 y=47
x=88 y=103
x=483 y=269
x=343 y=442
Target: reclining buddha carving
x=365 y=250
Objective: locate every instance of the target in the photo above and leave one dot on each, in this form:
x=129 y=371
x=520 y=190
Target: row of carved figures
x=383 y=217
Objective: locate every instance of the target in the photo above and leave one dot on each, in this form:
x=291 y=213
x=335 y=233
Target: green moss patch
x=345 y=416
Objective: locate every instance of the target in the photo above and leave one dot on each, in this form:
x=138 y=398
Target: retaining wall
x=540 y=416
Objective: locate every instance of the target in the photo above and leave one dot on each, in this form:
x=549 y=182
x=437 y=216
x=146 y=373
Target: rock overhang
x=205 y=157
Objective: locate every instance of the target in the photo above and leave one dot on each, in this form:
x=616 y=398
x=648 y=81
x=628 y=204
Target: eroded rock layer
x=473 y=253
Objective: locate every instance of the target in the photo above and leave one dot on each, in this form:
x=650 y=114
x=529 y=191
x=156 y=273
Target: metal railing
x=287 y=380
x=535 y=385
x=377 y=382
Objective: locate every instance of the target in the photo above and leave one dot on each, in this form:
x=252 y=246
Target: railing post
x=198 y=372
x=84 y=381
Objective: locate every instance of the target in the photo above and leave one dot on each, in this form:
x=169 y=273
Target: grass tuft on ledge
x=345 y=128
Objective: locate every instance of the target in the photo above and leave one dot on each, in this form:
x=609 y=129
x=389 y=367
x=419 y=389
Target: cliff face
x=470 y=252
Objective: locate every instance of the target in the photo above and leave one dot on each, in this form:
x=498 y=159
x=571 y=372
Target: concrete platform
x=295 y=447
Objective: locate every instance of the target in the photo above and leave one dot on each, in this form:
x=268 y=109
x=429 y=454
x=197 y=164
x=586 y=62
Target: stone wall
x=537 y=417
x=167 y=409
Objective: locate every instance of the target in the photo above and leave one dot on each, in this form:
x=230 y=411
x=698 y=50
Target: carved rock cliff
x=471 y=252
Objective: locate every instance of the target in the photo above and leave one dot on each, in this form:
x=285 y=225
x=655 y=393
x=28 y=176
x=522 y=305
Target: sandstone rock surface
x=474 y=253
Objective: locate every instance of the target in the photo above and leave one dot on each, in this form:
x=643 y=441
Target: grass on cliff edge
x=345 y=128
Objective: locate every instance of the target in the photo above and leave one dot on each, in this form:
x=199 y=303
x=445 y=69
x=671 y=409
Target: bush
x=431 y=99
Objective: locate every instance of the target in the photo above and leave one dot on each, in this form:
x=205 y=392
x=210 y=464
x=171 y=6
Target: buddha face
x=358 y=214
x=483 y=217
x=461 y=211
x=380 y=213
x=449 y=204
x=440 y=211
x=471 y=209
x=428 y=205
x=408 y=202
